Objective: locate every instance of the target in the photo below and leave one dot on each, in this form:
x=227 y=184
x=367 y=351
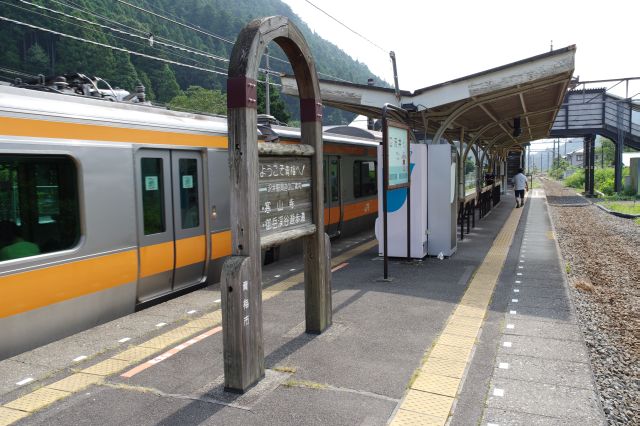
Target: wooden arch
x=241 y=280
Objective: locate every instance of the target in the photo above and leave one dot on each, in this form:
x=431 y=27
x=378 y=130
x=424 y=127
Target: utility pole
x=267 y=101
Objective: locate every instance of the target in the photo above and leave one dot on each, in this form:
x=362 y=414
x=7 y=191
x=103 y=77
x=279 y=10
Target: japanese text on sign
x=398 y=156
x=285 y=193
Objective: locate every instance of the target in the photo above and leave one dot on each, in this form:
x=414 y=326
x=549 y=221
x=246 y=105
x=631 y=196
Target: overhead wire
x=145 y=34
x=145 y=38
x=158 y=40
x=203 y=64
x=347 y=27
x=116 y=37
x=199 y=30
x=174 y=19
x=121 y=49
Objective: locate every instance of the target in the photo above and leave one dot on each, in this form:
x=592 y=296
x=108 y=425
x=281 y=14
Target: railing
x=466 y=213
x=485 y=200
x=488 y=198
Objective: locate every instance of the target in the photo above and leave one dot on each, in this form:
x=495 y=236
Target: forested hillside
x=158 y=28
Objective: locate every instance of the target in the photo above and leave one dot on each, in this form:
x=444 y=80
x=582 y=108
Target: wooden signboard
x=276 y=197
x=285 y=194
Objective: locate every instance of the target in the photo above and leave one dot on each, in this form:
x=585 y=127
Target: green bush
x=607 y=187
x=576 y=180
x=604 y=180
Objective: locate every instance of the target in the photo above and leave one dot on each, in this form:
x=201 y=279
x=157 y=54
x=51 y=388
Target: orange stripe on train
x=93 y=132
x=42 y=287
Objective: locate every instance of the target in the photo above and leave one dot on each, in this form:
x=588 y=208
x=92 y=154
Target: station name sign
x=285 y=193
x=398 y=161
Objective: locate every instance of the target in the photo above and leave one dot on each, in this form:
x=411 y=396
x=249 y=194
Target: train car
x=106 y=207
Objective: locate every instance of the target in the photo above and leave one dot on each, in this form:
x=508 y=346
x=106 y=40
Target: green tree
x=125 y=75
x=469 y=164
x=74 y=56
x=277 y=106
x=558 y=168
x=37 y=60
x=9 y=54
x=165 y=85
x=607 y=152
x=199 y=99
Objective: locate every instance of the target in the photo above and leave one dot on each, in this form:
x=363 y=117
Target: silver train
x=106 y=207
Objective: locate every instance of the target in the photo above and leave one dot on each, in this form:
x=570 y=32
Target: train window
x=39 y=211
x=326 y=188
x=189 y=210
x=152 y=195
x=334 y=179
x=364 y=178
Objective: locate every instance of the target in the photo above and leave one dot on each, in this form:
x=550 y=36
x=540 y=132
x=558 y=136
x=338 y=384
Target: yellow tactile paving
x=452 y=353
x=434 y=383
x=162 y=341
x=444 y=367
x=411 y=418
x=462 y=330
x=75 y=382
x=107 y=367
x=12 y=412
x=134 y=354
x=353 y=252
x=217 y=315
x=276 y=289
x=455 y=340
x=296 y=279
x=460 y=320
x=427 y=403
x=37 y=399
x=203 y=323
x=469 y=311
x=480 y=304
x=434 y=389
x=9 y=415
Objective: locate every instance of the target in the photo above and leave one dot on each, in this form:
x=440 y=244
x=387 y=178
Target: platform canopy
x=483 y=109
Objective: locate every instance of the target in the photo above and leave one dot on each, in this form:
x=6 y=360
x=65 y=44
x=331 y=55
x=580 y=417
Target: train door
x=170 y=221
x=333 y=196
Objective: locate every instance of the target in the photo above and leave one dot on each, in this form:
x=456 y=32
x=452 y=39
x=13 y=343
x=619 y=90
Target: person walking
x=520 y=184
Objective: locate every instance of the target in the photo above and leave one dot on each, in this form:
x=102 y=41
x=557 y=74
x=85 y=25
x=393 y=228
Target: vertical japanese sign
x=285 y=193
x=398 y=159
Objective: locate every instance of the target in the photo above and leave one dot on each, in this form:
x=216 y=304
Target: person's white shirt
x=520 y=181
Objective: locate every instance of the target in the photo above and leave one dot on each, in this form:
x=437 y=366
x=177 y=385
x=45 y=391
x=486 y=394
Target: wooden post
x=242 y=332
x=241 y=280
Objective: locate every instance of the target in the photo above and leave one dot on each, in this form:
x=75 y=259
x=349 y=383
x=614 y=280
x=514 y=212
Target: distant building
x=576 y=158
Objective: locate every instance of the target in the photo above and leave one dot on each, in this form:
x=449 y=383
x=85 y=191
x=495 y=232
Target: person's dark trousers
x=519 y=194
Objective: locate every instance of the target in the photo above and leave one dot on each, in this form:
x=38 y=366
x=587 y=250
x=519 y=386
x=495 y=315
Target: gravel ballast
x=601 y=254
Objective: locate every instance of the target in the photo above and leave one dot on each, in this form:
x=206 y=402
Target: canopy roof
x=481 y=108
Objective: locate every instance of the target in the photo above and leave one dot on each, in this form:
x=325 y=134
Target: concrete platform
x=373 y=366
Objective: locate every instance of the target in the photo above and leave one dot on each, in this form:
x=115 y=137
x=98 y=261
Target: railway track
x=601 y=254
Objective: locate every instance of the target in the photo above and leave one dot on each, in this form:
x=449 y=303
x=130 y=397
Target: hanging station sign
x=285 y=193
